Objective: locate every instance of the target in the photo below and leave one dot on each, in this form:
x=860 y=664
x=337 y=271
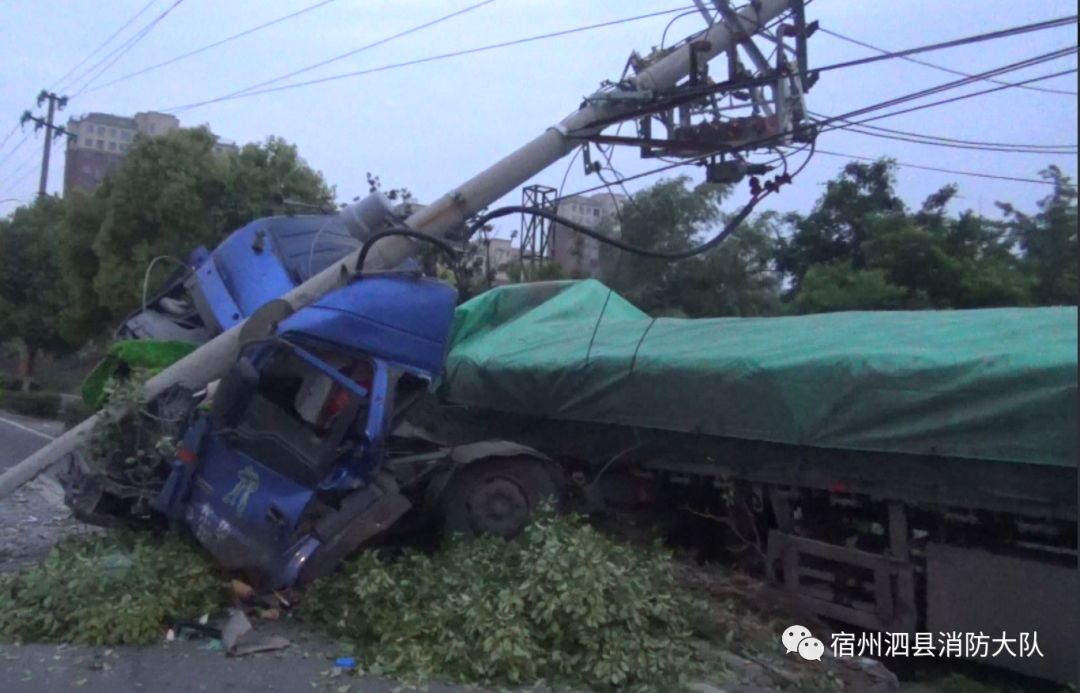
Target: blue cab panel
x=244 y=513
x=401 y=318
x=268 y=258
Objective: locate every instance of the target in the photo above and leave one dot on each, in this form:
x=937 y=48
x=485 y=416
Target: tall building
x=101 y=141
x=577 y=254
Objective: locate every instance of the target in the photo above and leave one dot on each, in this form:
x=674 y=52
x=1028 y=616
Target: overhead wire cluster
x=85 y=77
x=825 y=123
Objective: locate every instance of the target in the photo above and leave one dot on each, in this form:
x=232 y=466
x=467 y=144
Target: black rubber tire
x=497 y=496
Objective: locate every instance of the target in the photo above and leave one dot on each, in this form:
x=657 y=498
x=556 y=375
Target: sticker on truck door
x=247 y=484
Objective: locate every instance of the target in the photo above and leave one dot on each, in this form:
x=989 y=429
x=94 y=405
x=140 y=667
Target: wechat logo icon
x=798 y=639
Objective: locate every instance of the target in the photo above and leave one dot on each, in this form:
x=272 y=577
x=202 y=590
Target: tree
x=32 y=292
x=860 y=248
x=863 y=194
x=1049 y=241
x=833 y=286
x=735 y=278
x=171 y=194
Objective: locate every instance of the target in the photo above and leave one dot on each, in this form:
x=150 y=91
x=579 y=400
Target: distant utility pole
x=51 y=131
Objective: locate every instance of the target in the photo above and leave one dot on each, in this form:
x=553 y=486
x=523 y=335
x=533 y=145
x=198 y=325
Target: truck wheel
x=497 y=496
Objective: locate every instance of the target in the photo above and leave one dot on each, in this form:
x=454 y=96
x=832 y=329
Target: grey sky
x=431 y=126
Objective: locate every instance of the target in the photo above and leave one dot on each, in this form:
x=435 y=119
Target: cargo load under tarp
x=993 y=384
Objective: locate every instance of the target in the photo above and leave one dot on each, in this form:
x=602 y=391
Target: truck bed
x=994 y=385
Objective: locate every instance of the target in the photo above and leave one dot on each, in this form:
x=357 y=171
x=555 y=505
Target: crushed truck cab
x=282 y=476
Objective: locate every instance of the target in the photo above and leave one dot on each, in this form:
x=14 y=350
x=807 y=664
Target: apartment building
x=101 y=141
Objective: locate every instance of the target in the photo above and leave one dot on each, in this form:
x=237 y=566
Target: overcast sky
x=429 y=127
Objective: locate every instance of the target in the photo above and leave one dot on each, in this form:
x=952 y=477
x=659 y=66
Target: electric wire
x=663 y=36
x=18 y=181
x=17 y=147
x=427 y=59
x=921 y=167
x=729 y=227
x=439 y=243
x=954 y=145
x=690 y=94
x=259 y=87
x=1051 y=148
x=828 y=124
x=11 y=133
x=120 y=52
x=935 y=66
x=948 y=86
x=209 y=46
x=964 y=41
x=25 y=168
x=104 y=43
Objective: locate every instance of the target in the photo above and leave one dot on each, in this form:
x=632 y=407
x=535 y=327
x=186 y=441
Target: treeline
x=860 y=248
x=71 y=267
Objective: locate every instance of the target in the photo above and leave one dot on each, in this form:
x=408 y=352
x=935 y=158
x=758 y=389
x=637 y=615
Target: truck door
x=289 y=424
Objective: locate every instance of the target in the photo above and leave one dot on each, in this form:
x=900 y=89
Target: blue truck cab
x=281 y=476
x=212 y=291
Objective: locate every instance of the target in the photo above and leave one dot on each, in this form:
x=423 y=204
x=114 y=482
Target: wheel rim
x=498 y=506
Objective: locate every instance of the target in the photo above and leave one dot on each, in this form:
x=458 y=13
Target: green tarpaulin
x=993 y=384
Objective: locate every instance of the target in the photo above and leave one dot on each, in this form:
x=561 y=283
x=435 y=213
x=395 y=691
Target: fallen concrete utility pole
x=212 y=360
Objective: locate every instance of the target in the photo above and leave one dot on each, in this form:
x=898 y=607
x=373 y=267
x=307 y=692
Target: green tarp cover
x=993 y=384
x=147 y=355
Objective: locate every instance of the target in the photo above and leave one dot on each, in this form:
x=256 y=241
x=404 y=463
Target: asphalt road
x=20 y=436
x=33 y=518
x=182 y=668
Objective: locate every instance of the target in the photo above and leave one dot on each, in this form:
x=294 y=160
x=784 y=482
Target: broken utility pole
x=447 y=214
x=51 y=131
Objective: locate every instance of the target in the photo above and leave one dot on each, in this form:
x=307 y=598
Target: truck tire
x=497 y=496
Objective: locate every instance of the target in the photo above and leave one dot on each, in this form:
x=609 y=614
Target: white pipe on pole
x=211 y=360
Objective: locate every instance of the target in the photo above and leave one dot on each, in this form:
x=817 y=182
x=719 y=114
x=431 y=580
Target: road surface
x=20 y=436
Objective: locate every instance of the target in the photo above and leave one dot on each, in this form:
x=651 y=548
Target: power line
x=15 y=183
x=250 y=90
x=1049 y=147
x=104 y=43
x=947 y=86
x=868 y=109
x=122 y=50
x=428 y=59
x=963 y=41
x=935 y=66
x=967 y=40
x=973 y=174
x=209 y=46
x=26 y=164
x=902 y=164
x=940 y=102
x=18 y=145
x=954 y=43
x=11 y=133
x=954 y=145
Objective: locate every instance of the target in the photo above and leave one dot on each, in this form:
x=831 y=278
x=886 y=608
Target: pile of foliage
x=121 y=588
x=561 y=604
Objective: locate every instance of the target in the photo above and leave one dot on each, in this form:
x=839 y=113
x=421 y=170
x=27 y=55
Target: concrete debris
x=240 y=639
